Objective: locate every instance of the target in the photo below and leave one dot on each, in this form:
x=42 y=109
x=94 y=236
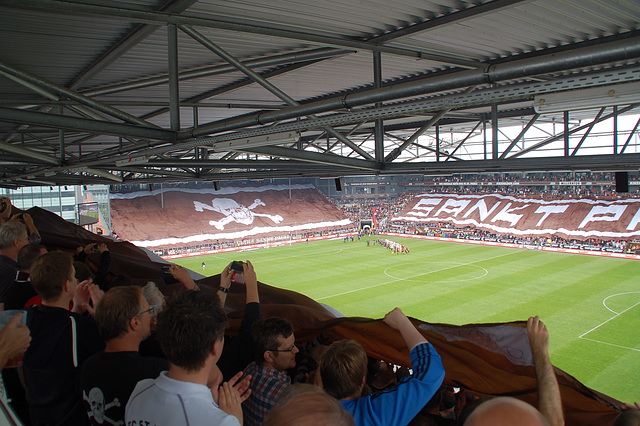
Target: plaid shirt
x=266 y=386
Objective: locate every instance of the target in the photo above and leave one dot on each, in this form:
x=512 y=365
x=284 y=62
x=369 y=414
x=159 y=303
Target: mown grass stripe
x=445 y=282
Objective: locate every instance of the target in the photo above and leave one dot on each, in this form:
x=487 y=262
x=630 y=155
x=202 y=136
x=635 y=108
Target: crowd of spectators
x=445 y=230
x=379 y=212
x=606 y=177
x=243 y=242
x=385 y=209
x=543 y=185
x=84 y=364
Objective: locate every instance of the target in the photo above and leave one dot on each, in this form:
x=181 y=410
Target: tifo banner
x=186 y=216
x=568 y=218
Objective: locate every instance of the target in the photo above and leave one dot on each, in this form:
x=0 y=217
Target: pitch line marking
x=455 y=265
x=613 y=317
x=389 y=282
x=610 y=344
x=604 y=301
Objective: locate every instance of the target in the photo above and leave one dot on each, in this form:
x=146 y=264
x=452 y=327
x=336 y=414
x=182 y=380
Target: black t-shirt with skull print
x=107 y=380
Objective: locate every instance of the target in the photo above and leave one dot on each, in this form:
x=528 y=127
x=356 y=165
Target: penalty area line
x=603 y=323
x=610 y=344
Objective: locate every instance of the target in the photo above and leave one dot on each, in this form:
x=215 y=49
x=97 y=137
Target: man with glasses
x=275 y=351
x=107 y=378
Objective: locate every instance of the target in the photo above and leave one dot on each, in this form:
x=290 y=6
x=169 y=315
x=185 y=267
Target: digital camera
x=238 y=266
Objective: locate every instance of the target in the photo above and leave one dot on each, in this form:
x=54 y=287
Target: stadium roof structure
x=139 y=91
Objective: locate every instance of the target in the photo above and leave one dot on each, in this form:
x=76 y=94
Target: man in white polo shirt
x=191 y=333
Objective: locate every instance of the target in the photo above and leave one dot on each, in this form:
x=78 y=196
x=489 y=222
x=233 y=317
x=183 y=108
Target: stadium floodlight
x=594 y=97
x=257 y=141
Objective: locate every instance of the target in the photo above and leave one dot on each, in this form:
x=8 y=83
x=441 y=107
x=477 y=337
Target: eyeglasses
x=291 y=349
x=153 y=310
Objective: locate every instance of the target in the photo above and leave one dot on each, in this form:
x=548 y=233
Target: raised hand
x=229 y=401
x=14 y=339
x=82 y=297
x=241 y=384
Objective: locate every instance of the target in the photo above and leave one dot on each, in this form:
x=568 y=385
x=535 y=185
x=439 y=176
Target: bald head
x=304 y=404
x=630 y=417
x=505 y=411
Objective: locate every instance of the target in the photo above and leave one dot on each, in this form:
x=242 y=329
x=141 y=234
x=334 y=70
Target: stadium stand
x=474 y=357
x=221 y=218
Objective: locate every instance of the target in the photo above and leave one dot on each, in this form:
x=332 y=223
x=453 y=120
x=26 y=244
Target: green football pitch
x=590 y=304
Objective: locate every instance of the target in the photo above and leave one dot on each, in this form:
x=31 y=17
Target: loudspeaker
x=339 y=184
x=216 y=186
x=622 y=182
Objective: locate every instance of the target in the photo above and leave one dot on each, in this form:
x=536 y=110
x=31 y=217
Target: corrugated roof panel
x=150 y=57
x=337 y=74
x=349 y=18
x=56 y=47
x=540 y=24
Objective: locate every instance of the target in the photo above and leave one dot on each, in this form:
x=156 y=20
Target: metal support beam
x=174 y=94
x=494 y=131
x=520 y=136
x=449 y=156
x=71 y=94
x=104 y=174
x=593 y=55
x=575 y=129
x=378 y=131
x=586 y=162
x=591 y=126
x=28 y=153
x=484 y=135
x=437 y=143
x=264 y=83
x=396 y=152
x=465 y=139
x=565 y=119
x=232 y=164
x=195 y=100
x=615 y=129
x=199 y=72
x=314 y=157
x=83 y=124
x=630 y=137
